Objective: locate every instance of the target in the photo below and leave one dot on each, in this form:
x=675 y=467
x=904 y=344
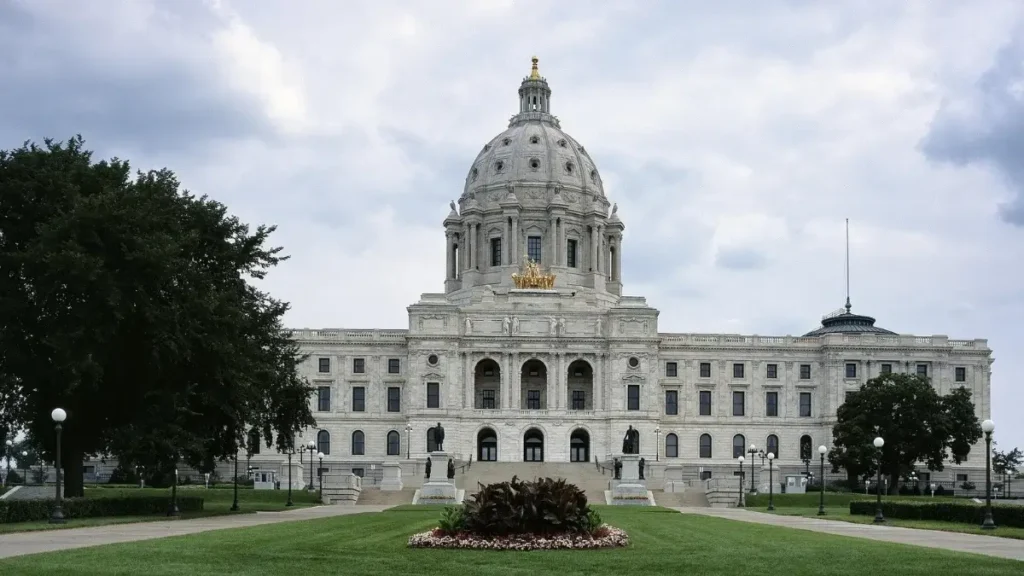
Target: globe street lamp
x=311 y=446
x=657 y=446
x=57 y=517
x=771 y=483
x=320 y=474
x=24 y=467
x=10 y=444
x=408 y=440
x=740 y=460
x=879 y=518
x=172 y=510
x=988 y=427
x=234 y=485
x=822 y=450
x=752 y=451
x=289 y=452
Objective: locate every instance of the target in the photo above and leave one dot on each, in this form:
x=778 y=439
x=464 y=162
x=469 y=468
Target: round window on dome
x=593 y=175
x=473 y=174
x=432 y=359
x=499 y=165
x=569 y=168
x=534 y=164
x=506 y=141
x=534 y=139
x=563 y=143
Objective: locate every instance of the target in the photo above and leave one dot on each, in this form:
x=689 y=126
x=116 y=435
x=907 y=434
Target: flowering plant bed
x=604 y=537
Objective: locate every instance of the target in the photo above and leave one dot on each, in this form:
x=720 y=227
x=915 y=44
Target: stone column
x=506 y=380
x=514 y=390
x=506 y=256
x=601 y=256
x=464 y=252
x=593 y=248
x=562 y=250
x=553 y=242
x=467 y=371
x=448 y=255
x=598 y=401
x=514 y=245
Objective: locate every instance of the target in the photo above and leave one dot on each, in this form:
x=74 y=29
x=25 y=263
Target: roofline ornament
x=532 y=277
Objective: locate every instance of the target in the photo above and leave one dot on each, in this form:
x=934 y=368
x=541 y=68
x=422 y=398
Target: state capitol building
x=532 y=353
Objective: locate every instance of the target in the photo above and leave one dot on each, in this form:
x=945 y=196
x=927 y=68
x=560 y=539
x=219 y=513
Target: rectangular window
x=851 y=370
x=394 y=365
x=570 y=253
x=533 y=248
x=805 y=371
x=358 y=399
x=705 y=369
x=705 y=475
x=633 y=397
x=961 y=477
x=533 y=399
x=671 y=402
x=579 y=400
x=922 y=369
x=358 y=365
x=886 y=369
x=960 y=374
x=325 y=365
x=361 y=472
x=487 y=400
x=495 y=251
x=737 y=403
x=705 y=403
x=433 y=395
x=671 y=369
x=772 y=371
x=394 y=399
x=805 y=404
x=323 y=398
x=771 y=404
x=737 y=370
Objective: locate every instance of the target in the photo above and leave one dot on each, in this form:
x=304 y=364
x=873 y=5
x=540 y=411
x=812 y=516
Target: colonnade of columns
x=511 y=364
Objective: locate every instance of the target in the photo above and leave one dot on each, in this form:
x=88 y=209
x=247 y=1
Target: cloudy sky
x=736 y=137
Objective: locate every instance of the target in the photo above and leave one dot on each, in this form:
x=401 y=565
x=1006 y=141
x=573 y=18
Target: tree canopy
x=128 y=302
x=917 y=424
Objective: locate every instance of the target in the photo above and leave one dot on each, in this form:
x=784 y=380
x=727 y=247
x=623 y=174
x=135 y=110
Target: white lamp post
x=879 y=518
x=771 y=483
x=988 y=427
x=739 y=504
x=822 y=450
x=58 y=416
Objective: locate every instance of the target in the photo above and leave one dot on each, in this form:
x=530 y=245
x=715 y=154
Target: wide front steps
x=373 y=495
x=584 y=475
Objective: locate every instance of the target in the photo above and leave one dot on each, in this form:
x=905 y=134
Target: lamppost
x=408 y=441
x=10 y=444
x=913 y=479
x=807 y=464
x=988 y=427
x=290 y=451
x=740 y=460
x=822 y=450
x=57 y=517
x=879 y=518
x=24 y=467
x=234 y=485
x=771 y=483
x=311 y=446
x=320 y=474
x=657 y=446
x=172 y=510
x=752 y=451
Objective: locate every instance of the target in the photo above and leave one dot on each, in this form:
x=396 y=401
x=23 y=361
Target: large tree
x=917 y=424
x=128 y=303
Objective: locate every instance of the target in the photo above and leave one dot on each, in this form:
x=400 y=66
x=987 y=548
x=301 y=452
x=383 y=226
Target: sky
x=735 y=136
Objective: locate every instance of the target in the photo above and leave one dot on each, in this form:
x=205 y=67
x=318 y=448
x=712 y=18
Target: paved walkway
x=21 y=543
x=954 y=541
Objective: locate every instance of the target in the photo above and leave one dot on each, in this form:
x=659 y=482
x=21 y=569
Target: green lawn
x=663 y=542
x=216 y=502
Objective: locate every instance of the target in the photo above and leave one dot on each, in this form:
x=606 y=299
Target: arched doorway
x=579 y=446
x=487 y=445
x=580 y=384
x=533 y=446
x=534 y=385
x=487 y=385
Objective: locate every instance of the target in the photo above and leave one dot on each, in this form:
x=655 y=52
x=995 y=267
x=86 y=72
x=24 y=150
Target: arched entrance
x=580 y=384
x=534 y=386
x=533 y=446
x=487 y=445
x=487 y=385
x=579 y=446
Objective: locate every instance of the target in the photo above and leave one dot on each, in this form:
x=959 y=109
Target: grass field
x=215 y=503
x=663 y=542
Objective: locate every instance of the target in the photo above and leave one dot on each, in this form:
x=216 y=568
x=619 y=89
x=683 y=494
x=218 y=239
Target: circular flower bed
x=604 y=537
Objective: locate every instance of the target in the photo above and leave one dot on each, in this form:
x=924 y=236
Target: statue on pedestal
x=428 y=469
x=643 y=464
x=505 y=325
x=631 y=441
x=617 y=468
x=439 y=437
x=451 y=469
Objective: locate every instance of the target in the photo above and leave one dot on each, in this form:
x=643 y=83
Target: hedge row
x=35 y=510
x=944 y=511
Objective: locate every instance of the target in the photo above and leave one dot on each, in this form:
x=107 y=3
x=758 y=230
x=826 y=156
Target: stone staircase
x=377 y=497
x=582 y=474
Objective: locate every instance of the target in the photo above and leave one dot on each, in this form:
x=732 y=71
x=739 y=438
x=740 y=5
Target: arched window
x=671 y=446
x=773 y=445
x=431 y=441
x=705 y=446
x=394 y=443
x=323 y=442
x=739 y=445
x=358 y=443
x=805 y=447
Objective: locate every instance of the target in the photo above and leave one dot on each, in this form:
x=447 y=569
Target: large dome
x=534 y=149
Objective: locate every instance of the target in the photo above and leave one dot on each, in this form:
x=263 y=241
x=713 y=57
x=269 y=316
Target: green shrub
x=35 y=510
x=944 y=511
x=543 y=506
x=453 y=520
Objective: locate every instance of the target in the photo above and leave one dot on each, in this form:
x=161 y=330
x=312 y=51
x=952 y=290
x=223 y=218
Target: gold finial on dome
x=534 y=73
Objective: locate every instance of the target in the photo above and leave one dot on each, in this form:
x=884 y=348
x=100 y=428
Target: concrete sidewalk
x=21 y=543
x=953 y=541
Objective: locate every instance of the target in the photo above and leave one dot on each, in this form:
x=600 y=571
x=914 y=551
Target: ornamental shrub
x=36 y=510
x=945 y=511
x=543 y=506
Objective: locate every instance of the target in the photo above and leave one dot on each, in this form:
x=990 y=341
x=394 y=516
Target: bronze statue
x=439 y=437
x=451 y=469
x=631 y=441
x=643 y=464
x=617 y=468
x=428 y=469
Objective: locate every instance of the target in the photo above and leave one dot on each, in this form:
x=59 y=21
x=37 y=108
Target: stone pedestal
x=392 y=480
x=299 y=475
x=674 y=478
x=438 y=489
x=630 y=489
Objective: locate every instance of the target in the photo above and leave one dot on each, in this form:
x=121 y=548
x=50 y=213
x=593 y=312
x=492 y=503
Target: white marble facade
x=489 y=360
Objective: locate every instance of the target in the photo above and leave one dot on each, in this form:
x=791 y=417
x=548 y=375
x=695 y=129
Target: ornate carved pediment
x=633 y=378
x=433 y=376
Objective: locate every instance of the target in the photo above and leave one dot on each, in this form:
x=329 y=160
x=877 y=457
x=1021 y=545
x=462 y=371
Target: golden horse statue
x=532 y=277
